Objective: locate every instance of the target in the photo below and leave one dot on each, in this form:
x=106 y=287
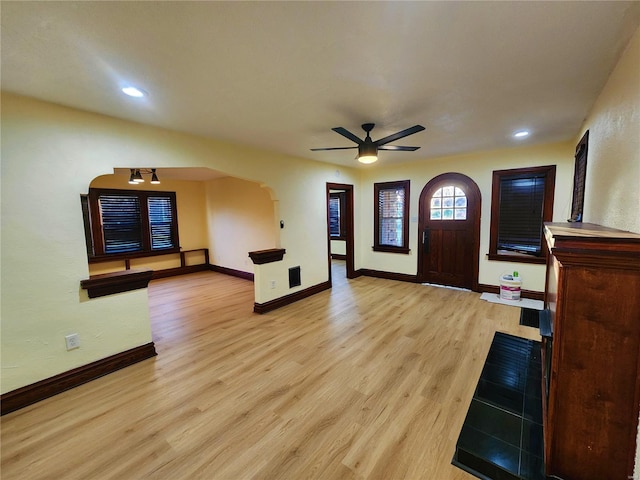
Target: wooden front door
x=449 y=229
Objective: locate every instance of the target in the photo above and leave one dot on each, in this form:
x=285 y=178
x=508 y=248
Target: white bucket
x=510 y=287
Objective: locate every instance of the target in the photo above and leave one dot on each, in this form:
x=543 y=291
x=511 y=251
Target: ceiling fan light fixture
x=367 y=148
x=154 y=177
x=367 y=158
x=367 y=153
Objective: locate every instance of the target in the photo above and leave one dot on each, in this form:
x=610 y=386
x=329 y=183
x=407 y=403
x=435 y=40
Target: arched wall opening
x=223 y=215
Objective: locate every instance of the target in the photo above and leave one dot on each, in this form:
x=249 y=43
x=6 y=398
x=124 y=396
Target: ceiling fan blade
x=332 y=148
x=397 y=136
x=346 y=133
x=398 y=148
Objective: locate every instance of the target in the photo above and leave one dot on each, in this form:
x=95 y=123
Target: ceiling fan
x=367 y=148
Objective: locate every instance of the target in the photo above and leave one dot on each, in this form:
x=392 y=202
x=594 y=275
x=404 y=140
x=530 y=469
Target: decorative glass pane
x=449 y=203
x=461 y=201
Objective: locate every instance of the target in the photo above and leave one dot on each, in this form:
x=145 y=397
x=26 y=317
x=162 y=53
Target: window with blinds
x=522 y=200
x=160 y=222
x=131 y=223
x=336 y=215
x=579 y=178
x=121 y=223
x=391 y=217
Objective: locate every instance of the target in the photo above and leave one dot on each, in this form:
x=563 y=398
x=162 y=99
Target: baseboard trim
x=288 y=299
x=401 y=277
x=232 y=272
x=532 y=294
x=338 y=256
x=27 y=395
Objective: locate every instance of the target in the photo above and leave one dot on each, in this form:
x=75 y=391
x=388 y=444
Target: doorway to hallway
x=340 y=225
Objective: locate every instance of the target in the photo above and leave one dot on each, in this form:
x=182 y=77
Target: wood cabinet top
x=588 y=231
x=592 y=239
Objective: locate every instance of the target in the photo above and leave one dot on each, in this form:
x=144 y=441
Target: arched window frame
x=458 y=207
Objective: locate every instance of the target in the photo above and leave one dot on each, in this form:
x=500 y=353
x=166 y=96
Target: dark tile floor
x=530 y=317
x=501 y=438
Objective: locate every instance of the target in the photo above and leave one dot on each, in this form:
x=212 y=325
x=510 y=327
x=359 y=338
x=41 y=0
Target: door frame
x=471 y=189
x=348 y=221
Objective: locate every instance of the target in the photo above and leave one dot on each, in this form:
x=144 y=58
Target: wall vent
x=294 y=277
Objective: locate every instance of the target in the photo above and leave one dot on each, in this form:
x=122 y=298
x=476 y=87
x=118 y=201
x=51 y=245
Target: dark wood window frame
x=341 y=197
x=380 y=187
x=579 y=177
x=96 y=235
x=549 y=174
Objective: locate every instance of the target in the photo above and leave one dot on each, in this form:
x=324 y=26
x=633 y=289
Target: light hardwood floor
x=371 y=380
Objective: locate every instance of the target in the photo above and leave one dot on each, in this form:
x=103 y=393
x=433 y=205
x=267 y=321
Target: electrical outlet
x=272 y=284
x=73 y=341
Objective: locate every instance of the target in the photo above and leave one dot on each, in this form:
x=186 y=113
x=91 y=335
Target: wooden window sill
x=389 y=249
x=521 y=258
x=116 y=282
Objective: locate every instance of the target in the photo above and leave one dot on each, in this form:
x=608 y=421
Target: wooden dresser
x=591 y=363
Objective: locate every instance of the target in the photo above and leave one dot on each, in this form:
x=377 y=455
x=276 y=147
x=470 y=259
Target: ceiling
x=280 y=75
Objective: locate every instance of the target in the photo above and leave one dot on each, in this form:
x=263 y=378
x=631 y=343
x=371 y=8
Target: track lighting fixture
x=136 y=175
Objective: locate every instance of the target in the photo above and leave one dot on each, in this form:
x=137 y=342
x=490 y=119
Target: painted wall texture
x=241 y=219
x=479 y=167
x=612 y=188
x=61 y=150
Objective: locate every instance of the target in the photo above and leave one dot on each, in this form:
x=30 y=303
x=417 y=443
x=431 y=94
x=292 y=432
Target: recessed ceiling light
x=521 y=134
x=133 y=92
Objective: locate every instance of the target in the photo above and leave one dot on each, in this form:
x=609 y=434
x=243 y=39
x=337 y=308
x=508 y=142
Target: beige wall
x=612 y=189
x=479 y=167
x=339 y=247
x=192 y=221
x=240 y=218
x=61 y=150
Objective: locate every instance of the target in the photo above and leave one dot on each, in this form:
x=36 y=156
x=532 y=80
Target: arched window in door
x=449 y=203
